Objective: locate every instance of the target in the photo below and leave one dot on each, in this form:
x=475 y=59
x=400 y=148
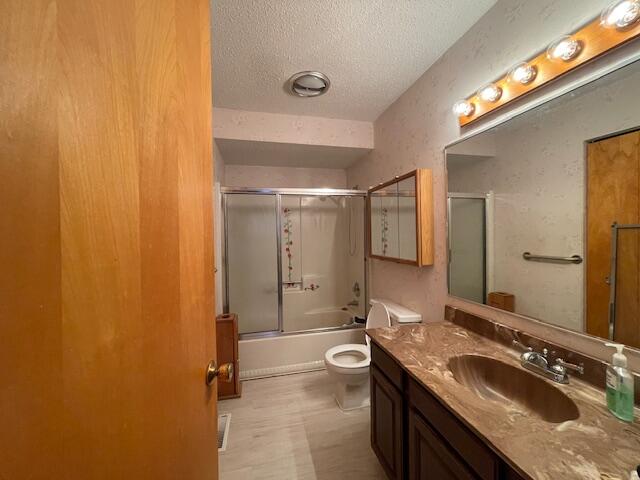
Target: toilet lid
x=378 y=317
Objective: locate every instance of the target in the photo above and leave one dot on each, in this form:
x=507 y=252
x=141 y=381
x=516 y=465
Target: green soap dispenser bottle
x=620 y=393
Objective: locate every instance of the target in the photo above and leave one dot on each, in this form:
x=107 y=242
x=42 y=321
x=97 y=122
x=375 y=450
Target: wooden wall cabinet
x=415 y=437
x=400 y=214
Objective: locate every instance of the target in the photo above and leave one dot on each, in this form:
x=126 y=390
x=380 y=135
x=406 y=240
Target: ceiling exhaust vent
x=309 y=84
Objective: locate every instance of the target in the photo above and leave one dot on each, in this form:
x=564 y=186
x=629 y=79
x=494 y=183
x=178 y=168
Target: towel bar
x=546 y=258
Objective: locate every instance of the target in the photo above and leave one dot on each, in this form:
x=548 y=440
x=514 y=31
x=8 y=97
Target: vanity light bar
x=617 y=24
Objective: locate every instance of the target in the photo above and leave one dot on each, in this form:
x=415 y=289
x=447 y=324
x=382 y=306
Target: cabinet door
x=429 y=457
x=386 y=424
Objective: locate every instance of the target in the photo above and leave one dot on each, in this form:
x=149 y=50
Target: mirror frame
x=500 y=120
x=423 y=180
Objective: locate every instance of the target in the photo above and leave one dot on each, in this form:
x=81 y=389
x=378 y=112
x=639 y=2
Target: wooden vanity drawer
x=478 y=456
x=386 y=365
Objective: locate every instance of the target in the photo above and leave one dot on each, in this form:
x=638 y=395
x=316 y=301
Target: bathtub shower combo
x=294 y=272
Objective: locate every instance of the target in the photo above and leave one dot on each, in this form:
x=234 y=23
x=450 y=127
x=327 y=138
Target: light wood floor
x=290 y=427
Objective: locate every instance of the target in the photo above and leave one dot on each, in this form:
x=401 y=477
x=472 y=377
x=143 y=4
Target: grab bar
x=546 y=258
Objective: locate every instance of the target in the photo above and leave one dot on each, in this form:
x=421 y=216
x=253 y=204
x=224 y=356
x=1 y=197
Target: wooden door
x=386 y=424
x=613 y=195
x=627 y=304
x=106 y=242
x=429 y=457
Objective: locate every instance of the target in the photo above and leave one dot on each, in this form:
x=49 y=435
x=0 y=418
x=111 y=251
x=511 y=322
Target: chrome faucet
x=353 y=303
x=539 y=363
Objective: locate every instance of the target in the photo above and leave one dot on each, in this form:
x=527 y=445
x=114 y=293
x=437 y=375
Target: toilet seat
x=345 y=358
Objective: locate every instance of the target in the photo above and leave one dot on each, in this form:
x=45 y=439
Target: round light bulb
x=463 y=108
x=565 y=48
x=490 y=93
x=523 y=73
x=621 y=14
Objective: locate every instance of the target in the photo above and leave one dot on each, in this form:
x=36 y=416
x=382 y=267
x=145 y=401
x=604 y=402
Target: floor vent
x=224 y=421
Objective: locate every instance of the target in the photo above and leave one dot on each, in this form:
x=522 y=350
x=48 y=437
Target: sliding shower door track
x=275 y=333
x=296 y=191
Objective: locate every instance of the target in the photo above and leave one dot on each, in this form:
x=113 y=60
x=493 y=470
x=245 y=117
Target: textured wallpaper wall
x=297 y=129
x=538 y=174
x=218 y=167
x=415 y=129
x=284 y=177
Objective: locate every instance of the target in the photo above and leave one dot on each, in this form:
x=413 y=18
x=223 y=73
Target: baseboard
x=282 y=370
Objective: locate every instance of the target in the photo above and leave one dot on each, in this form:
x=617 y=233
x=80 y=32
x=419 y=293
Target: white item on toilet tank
x=398 y=313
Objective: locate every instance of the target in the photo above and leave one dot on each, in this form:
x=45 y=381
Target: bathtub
x=330 y=317
x=298 y=352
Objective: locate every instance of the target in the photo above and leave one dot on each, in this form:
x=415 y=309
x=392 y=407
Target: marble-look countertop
x=595 y=446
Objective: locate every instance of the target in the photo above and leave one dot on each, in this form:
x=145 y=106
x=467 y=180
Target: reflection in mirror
x=384 y=221
x=407 y=249
x=467 y=246
x=561 y=183
x=625 y=288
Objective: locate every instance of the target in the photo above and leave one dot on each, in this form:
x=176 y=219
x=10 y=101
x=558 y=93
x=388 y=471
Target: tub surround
x=596 y=445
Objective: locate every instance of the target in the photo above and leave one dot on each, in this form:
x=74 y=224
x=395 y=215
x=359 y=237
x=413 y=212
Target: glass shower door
x=294 y=261
x=322 y=253
x=467 y=254
x=252 y=261
x=315 y=262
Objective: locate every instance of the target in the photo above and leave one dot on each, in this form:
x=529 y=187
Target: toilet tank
x=398 y=313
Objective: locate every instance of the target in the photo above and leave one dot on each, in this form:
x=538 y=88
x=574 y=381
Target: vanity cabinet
x=429 y=457
x=387 y=413
x=415 y=437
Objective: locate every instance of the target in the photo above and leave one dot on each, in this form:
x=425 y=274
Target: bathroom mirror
x=401 y=219
x=543 y=211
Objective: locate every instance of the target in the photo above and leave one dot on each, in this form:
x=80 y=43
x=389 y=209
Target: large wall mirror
x=544 y=211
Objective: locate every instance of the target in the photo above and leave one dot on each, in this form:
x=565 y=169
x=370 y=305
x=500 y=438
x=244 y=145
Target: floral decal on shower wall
x=288 y=242
x=384 y=228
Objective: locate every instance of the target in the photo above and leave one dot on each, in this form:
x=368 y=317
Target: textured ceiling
x=243 y=152
x=372 y=50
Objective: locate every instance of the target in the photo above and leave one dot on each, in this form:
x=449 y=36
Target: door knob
x=224 y=372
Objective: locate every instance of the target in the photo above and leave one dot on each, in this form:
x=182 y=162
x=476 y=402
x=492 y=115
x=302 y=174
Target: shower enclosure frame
x=278 y=193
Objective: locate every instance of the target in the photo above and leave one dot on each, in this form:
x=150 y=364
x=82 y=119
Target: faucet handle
x=570 y=366
x=522 y=346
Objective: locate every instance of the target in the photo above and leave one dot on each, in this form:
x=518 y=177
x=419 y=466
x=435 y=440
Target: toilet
x=348 y=364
